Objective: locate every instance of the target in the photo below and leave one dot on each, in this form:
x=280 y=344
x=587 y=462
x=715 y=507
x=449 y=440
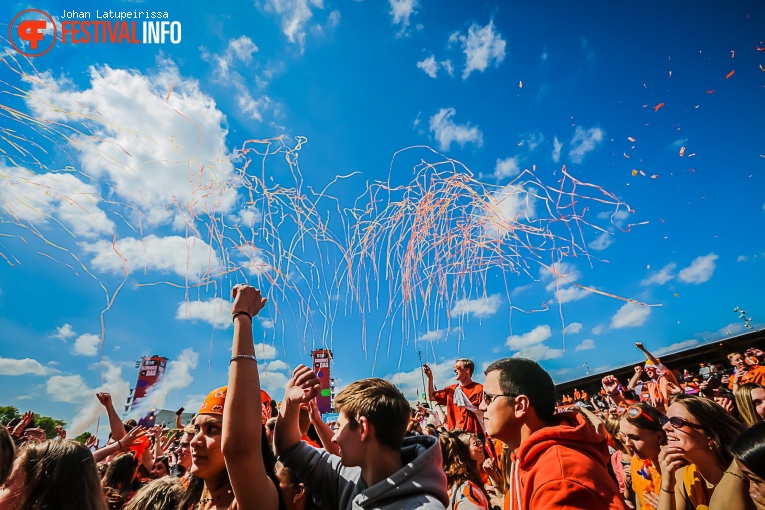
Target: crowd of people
x=654 y=443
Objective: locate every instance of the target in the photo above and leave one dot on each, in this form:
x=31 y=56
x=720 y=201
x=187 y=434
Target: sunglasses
x=636 y=412
x=678 y=422
x=489 y=398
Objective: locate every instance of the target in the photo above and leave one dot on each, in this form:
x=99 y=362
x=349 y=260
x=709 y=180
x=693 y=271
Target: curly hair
x=458 y=465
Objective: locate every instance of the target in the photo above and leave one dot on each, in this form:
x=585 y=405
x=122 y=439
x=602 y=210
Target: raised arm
x=115 y=424
x=302 y=387
x=324 y=431
x=635 y=378
x=241 y=441
x=648 y=355
x=120 y=444
x=431 y=387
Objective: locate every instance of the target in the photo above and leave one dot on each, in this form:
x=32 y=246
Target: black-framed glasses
x=489 y=398
x=678 y=422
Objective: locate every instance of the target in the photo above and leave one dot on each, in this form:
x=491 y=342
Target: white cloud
x=60 y=198
x=584 y=142
x=742 y=258
x=177 y=377
x=598 y=330
x=10 y=366
x=482 y=47
x=275 y=365
x=87 y=345
x=68 y=388
x=700 y=270
x=90 y=409
x=429 y=65
x=295 y=14
x=603 y=241
x=678 y=346
x=507 y=167
x=631 y=315
x=246 y=217
x=531 y=345
x=447 y=66
x=402 y=10
x=188 y=257
x=533 y=140
x=144 y=138
x=586 y=345
x=573 y=328
x=481 y=307
x=265 y=351
x=560 y=285
x=661 y=276
x=508 y=206
x=273 y=382
x=64 y=333
x=266 y=323
x=441 y=334
x=242 y=48
x=216 y=312
x=557 y=146
x=446 y=131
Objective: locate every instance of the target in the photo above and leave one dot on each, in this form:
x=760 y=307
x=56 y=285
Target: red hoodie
x=563 y=467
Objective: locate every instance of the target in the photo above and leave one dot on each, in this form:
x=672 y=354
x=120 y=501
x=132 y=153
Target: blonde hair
x=381 y=403
x=161 y=494
x=467 y=363
x=745 y=405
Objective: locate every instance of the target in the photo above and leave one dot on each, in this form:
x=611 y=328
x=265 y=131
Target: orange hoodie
x=563 y=467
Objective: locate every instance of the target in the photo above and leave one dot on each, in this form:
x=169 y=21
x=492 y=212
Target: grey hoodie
x=420 y=484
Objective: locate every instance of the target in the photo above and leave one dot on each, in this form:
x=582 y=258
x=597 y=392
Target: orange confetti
x=634 y=173
x=656 y=108
x=632 y=139
x=654 y=176
x=729 y=74
x=760 y=49
x=682 y=151
x=711 y=91
x=677 y=295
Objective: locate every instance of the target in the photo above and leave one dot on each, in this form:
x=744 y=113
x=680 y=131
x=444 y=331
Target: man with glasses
x=461 y=399
x=559 y=460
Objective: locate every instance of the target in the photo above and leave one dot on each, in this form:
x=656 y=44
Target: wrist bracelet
x=243 y=356
x=119 y=442
x=668 y=492
x=235 y=315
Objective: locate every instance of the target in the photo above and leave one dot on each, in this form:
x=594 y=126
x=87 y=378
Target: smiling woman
x=695 y=458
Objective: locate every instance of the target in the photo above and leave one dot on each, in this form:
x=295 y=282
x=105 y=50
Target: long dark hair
x=60 y=474
x=749 y=449
x=120 y=474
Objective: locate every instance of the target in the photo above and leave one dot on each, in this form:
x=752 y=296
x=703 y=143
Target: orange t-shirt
x=641 y=484
x=755 y=374
x=459 y=417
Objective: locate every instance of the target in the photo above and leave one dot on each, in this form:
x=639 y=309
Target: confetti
x=682 y=151
x=732 y=54
x=670 y=74
x=654 y=176
x=634 y=173
x=656 y=108
x=626 y=156
x=642 y=173
x=729 y=74
x=677 y=295
x=711 y=91
x=762 y=68
x=630 y=139
x=520 y=84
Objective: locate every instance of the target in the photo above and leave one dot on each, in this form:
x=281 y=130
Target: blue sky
x=142 y=144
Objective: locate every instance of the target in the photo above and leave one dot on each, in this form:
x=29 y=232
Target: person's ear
x=364 y=427
x=521 y=406
x=300 y=493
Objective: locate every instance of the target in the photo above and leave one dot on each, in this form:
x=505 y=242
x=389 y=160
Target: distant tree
x=8 y=413
x=83 y=437
x=48 y=424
